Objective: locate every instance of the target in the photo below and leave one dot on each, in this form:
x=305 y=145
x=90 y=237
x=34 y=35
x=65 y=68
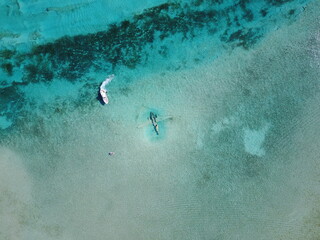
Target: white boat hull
x=104 y=96
x=103 y=90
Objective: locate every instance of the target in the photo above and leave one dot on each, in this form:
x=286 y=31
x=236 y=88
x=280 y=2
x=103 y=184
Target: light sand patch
x=15 y=195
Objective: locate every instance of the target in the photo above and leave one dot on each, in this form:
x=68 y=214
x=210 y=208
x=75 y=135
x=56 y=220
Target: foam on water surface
x=238 y=160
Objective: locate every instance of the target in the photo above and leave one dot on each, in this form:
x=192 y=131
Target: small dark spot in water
x=197 y=60
x=163 y=51
x=291 y=12
x=248 y=15
x=246 y=92
x=125 y=24
x=264 y=12
x=125 y=91
x=212 y=31
x=59 y=110
x=236 y=35
x=206 y=177
x=7 y=67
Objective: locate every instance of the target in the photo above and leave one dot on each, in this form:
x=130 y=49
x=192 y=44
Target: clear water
x=237 y=158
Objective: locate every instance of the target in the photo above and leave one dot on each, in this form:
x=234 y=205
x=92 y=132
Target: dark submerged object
x=153 y=118
x=99 y=98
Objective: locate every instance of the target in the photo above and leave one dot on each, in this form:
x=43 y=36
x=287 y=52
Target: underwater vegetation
x=127 y=42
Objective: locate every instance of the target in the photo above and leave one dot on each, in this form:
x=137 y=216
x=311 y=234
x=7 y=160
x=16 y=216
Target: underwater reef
x=130 y=42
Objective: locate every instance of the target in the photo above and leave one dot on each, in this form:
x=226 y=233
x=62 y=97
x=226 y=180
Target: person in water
x=153 y=118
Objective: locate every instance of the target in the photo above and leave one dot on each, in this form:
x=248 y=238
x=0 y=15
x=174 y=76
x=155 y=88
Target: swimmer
x=111 y=153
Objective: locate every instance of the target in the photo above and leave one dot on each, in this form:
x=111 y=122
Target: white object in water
x=103 y=89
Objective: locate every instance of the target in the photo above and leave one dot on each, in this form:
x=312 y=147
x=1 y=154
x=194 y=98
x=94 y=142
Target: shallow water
x=237 y=157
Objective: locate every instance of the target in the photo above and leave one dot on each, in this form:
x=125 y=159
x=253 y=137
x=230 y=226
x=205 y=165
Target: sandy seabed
x=239 y=159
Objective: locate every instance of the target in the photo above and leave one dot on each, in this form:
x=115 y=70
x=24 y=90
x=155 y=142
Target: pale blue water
x=236 y=82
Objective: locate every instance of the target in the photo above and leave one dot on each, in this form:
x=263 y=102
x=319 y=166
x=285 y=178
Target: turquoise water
x=236 y=82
